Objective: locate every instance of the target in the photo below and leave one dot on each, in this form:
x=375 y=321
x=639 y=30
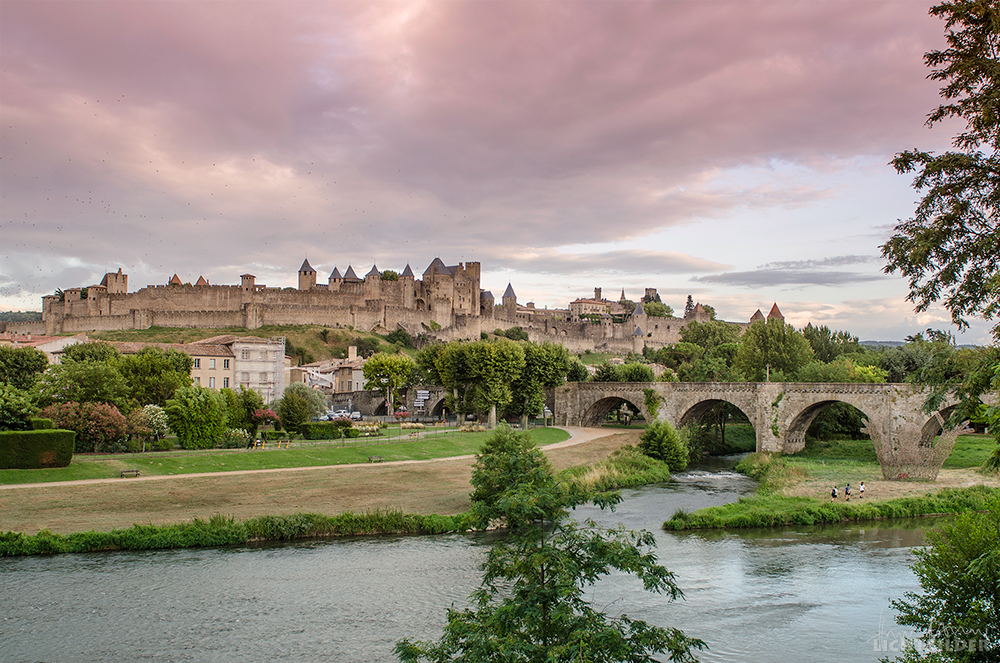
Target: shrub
x=197 y=416
x=38 y=423
x=661 y=441
x=352 y=433
x=163 y=444
x=15 y=408
x=98 y=426
x=320 y=430
x=234 y=438
x=36 y=449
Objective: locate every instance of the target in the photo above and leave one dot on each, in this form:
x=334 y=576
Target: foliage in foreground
x=532 y=603
x=225 y=531
x=957 y=615
x=780 y=510
x=661 y=441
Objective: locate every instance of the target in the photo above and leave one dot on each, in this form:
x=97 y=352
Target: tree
x=688 y=307
x=299 y=403
x=658 y=310
x=545 y=367
x=950 y=249
x=388 y=373
x=827 y=345
x=367 y=346
x=957 y=615
x=710 y=335
x=532 y=603
x=635 y=372
x=98 y=351
x=152 y=375
x=81 y=382
x=492 y=367
x=577 y=372
x=772 y=348
x=20 y=367
x=607 y=372
x=197 y=415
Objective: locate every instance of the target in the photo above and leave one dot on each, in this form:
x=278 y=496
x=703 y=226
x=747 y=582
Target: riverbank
x=796 y=489
x=422 y=488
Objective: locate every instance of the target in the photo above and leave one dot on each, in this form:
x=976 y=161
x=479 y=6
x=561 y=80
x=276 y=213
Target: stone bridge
x=909 y=443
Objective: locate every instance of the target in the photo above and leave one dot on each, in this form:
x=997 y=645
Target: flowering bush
x=235 y=438
x=98 y=426
x=262 y=417
x=400 y=416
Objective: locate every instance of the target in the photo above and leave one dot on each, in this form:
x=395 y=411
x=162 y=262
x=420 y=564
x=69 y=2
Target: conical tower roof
x=757 y=317
x=335 y=274
x=775 y=313
x=638 y=310
x=638 y=331
x=306 y=267
x=372 y=272
x=175 y=280
x=201 y=281
x=407 y=271
x=349 y=275
x=509 y=292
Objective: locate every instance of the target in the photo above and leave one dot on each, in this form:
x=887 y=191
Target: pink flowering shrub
x=99 y=426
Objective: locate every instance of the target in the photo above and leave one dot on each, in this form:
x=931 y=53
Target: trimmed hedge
x=38 y=423
x=320 y=430
x=35 y=449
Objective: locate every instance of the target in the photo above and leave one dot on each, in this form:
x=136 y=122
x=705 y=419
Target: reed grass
x=222 y=530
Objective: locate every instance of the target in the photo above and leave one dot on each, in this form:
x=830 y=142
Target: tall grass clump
x=624 y=468
x=770 y=471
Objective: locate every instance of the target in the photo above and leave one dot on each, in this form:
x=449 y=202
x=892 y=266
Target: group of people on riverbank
x=847 y=492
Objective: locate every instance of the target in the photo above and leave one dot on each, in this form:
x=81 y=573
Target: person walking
x=847 y=492
x=833 y=494
x=861 y=490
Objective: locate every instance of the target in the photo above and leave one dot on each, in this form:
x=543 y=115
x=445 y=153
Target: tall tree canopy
x=774 y=348
x=950 y=250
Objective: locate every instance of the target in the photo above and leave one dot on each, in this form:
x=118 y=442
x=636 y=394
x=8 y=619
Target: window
x=225 y=383
x=245 y=354
x=263 y=377
x=197 y=380
x=197 y=363
x=211 y=364
x=244 y=378
x=263 y=356
x=211 y=383
x=225 y=363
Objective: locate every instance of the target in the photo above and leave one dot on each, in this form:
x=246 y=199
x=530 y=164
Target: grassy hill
x=316 y=341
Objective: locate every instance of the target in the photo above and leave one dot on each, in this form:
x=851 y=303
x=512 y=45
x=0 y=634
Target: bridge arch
x=934 y=426
x=795 y=433
x=695 y=412
x=599 y=410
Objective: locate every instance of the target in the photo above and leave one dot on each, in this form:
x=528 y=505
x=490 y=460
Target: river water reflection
x=809 y=594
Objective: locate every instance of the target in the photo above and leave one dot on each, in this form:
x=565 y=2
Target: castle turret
x=510 y=300
x=775 y=313
x=333 y=283
x=115 y=283
x=307 y=276
x=248 y=283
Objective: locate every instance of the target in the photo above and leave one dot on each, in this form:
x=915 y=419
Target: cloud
x=797 y=273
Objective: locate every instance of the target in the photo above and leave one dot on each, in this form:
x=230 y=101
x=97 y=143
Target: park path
x=577 y=435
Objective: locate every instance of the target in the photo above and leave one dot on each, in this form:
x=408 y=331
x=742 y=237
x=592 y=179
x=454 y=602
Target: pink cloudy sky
x=734 y=151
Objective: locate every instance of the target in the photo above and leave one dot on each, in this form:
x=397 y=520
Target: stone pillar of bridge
x=768 y=423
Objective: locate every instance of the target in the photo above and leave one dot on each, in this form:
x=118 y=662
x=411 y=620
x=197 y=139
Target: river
x=801 y=594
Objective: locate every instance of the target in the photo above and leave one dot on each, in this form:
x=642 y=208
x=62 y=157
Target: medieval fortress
x=446 y=303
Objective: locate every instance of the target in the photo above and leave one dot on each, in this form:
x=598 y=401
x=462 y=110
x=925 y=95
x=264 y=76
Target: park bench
x=375 y=459
x=130 y=473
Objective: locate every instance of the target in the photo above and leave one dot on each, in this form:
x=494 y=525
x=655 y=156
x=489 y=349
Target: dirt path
x=888 y=490
x=434 y=486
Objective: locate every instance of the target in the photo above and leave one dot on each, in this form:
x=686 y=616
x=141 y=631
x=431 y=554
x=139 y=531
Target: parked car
x=355 y=416
x=341 y=414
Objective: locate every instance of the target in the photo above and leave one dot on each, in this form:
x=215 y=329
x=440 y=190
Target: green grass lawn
x=336 y=452
x=834 y=460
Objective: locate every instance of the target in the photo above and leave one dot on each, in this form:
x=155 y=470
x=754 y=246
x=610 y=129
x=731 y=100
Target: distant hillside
x=20 y=316
x=882 y=344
